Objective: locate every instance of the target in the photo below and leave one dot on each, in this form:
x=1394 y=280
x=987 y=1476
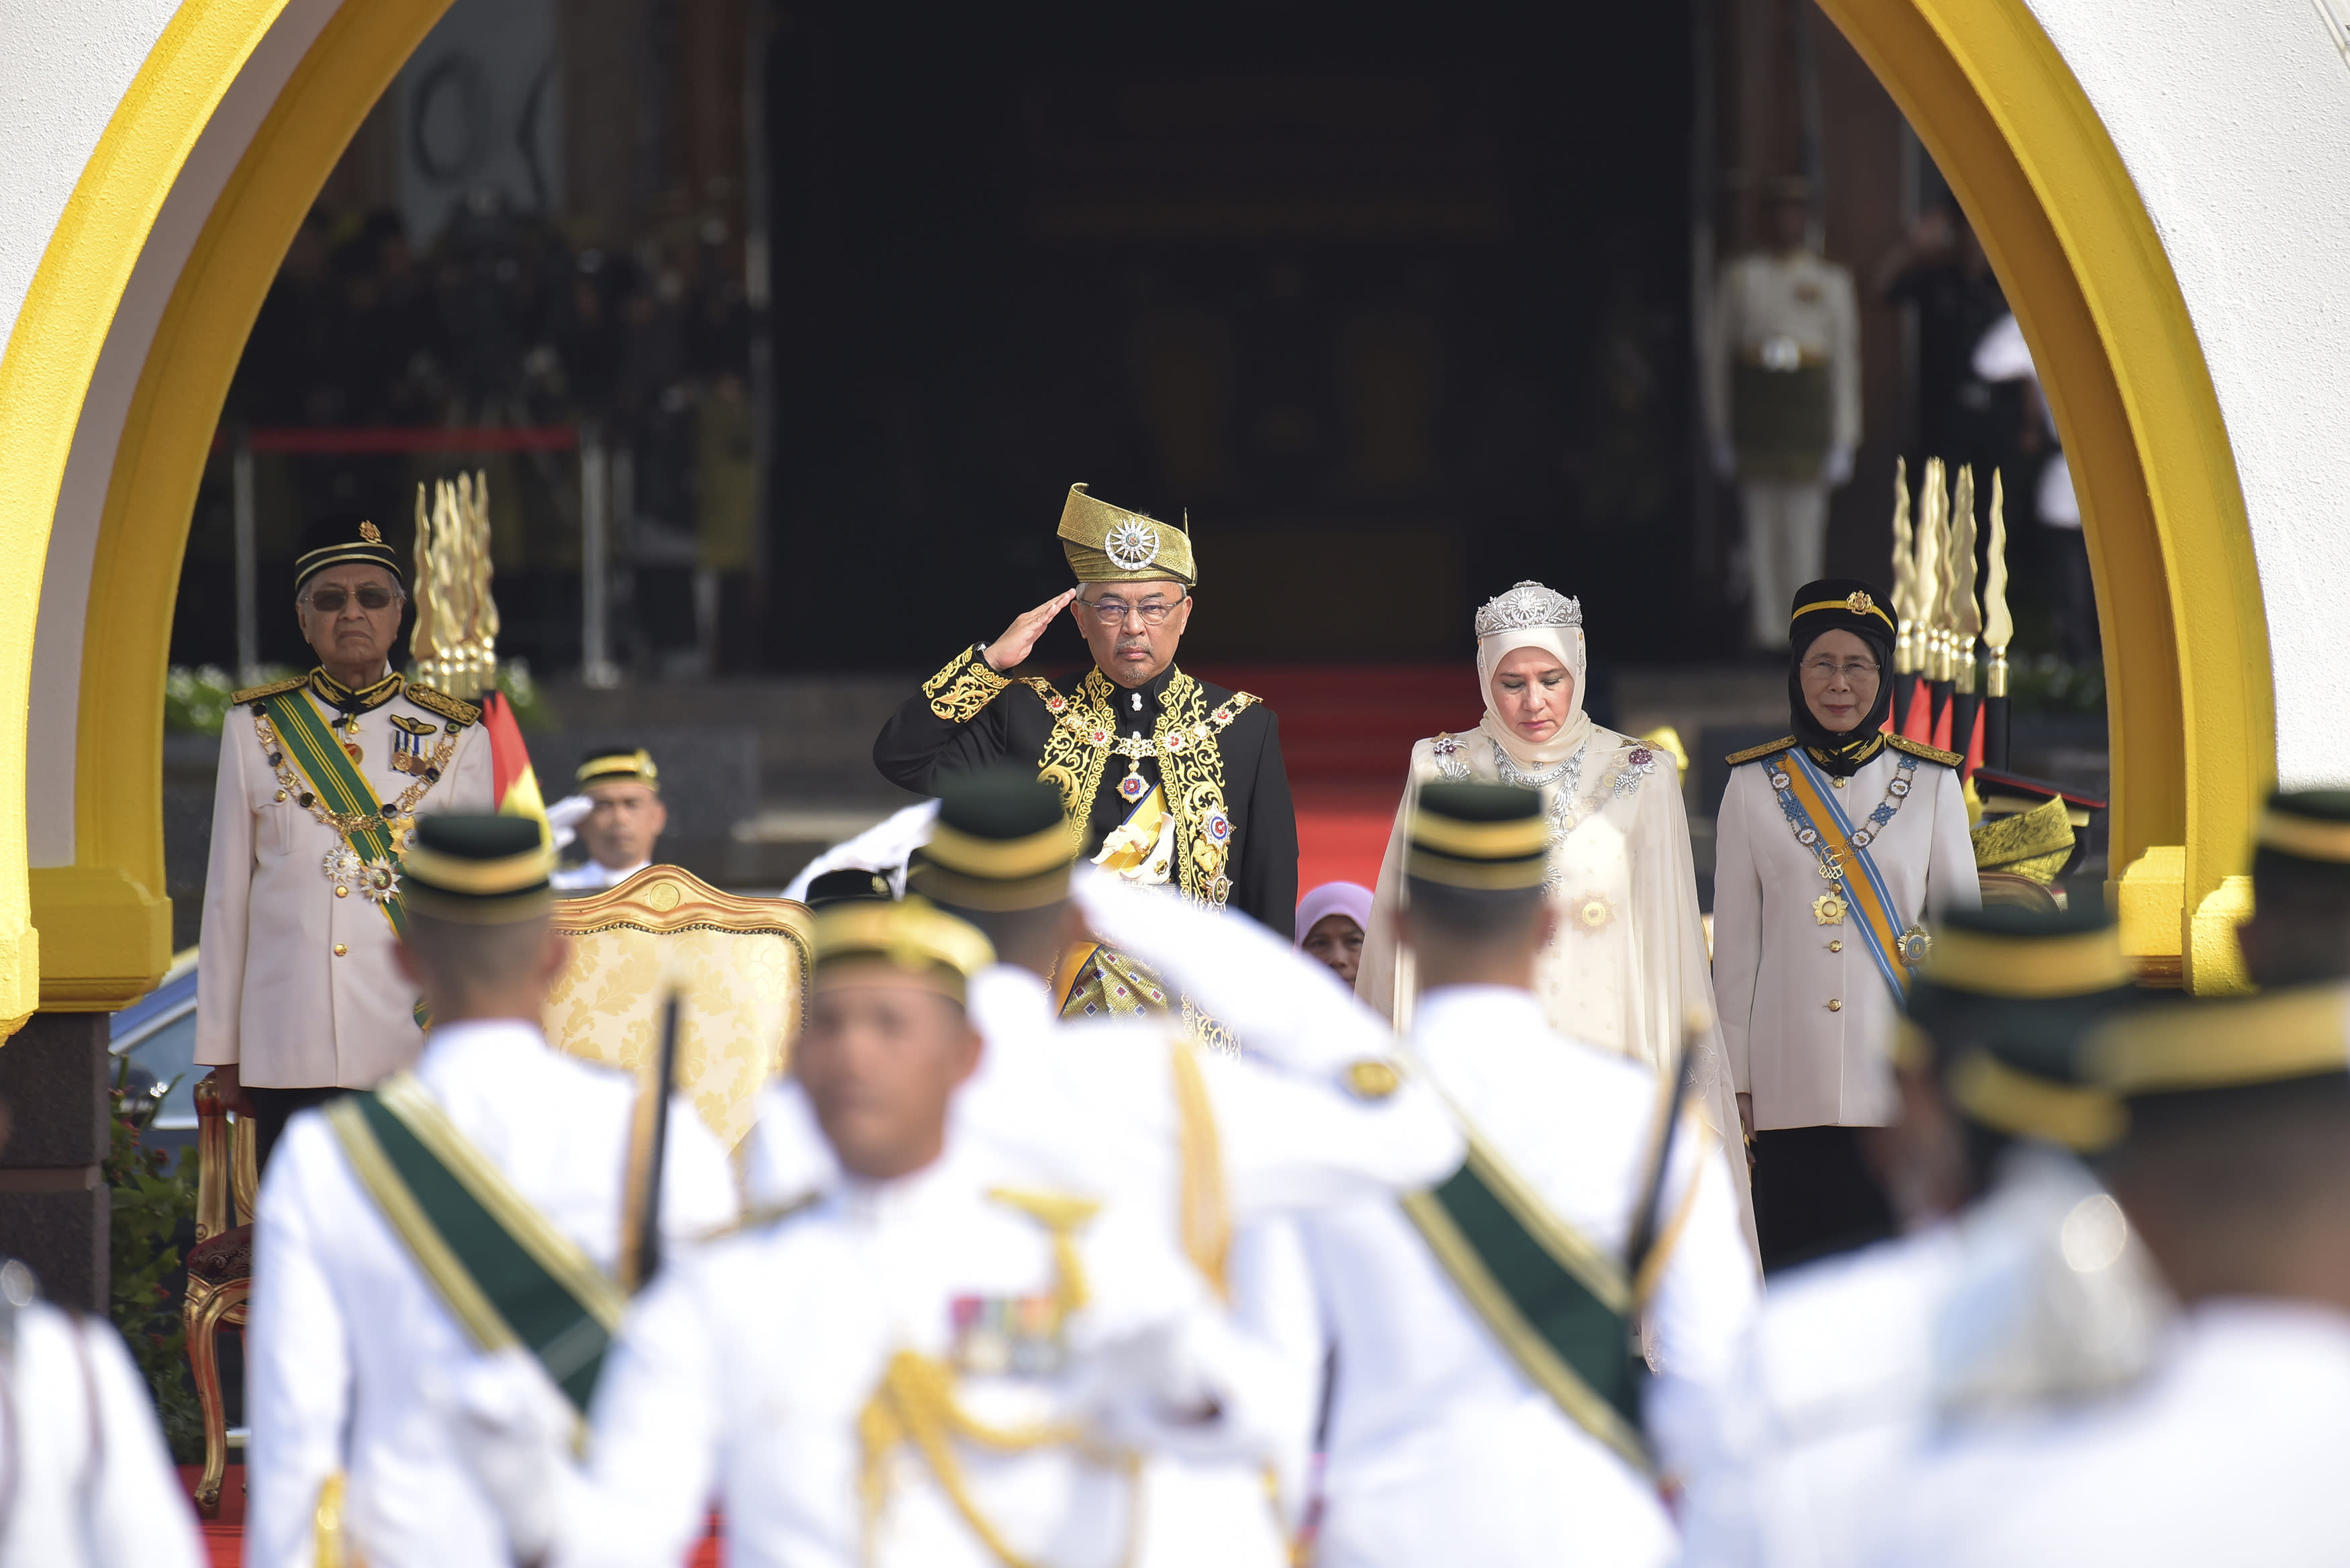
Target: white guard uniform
x=735 y=1379
x=1627 y=967
x=295 y=984
x=1806 y=1016
x=1440 y=1449
x=1094 y=1109
x=2231 y=1452
x=591 y=876
x=89 y=1484
x=1859 y=1363
x=1793 y=314
x=353 y=1352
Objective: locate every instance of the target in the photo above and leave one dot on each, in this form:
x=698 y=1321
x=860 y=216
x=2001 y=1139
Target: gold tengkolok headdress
x=1108 y=543
x=866 y=941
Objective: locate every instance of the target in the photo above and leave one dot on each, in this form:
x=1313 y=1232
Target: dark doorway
x=1392 y=300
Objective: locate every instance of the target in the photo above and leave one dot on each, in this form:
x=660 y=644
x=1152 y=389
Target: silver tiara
x=1526 y=607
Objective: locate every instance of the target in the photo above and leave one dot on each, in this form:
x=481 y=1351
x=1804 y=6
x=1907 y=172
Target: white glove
x=1837 y=468
x=563 y=818
x=1279 y=1004
x=513 y=1432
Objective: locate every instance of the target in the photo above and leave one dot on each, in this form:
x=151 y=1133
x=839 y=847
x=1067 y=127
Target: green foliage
x=533 y=712
x=2044 y=684
x=195 y=701
x=152 y=1202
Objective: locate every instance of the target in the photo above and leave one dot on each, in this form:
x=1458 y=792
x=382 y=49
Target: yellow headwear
x=910 y=943
x=1108 y=543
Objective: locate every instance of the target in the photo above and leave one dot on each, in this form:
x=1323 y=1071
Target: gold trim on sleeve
x=966 y=685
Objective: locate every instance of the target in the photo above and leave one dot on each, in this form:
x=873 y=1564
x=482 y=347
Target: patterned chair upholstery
x=220 y=1271
x=744 y=964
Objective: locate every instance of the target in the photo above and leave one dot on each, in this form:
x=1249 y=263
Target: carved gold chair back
x=743 y=964
x=220 y=1271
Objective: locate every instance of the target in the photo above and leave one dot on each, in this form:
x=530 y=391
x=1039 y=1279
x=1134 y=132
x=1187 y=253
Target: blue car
x=154 y=1045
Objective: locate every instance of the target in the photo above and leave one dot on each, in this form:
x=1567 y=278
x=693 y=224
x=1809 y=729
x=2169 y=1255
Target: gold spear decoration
x=1933 y=509
x=1999 y=626
x=1904 y=614
x=455 y=640
x=1966 y=615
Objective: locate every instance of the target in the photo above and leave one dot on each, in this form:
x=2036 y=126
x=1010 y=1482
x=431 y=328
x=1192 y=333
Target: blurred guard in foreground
x=321 y=779
x=2232 y=1171
x=924 y=1364
x=2300 y=931
x=1978 y=1308
x=471 y=1207
x=1487 y=1408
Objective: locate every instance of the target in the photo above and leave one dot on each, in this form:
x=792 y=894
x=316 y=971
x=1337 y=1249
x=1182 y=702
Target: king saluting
x=1167 y=779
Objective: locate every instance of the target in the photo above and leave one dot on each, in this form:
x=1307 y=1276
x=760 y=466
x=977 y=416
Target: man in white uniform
x=1486 y=1409
x=321 y=779
x=463 y=1208
x=624 y=821
x=927 y=1364
x=1782 y=398
x=1224 y=1162
x=1855 y=1361
x=2231 y=1450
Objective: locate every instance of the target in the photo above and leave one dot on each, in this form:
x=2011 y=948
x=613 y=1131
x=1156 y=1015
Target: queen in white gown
x=1627 y=970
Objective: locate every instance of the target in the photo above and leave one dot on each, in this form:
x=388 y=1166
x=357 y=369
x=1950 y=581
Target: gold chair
x=220 y=1271
x=744 y=964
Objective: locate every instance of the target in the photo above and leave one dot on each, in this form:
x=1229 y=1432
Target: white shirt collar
x=1475 y=1008
x=471 y=1043
x=610 y=875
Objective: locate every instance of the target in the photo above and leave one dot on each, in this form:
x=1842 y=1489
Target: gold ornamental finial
x=1966 y=615
x=1999 y=626
x=1905 y=574
x=456 y=635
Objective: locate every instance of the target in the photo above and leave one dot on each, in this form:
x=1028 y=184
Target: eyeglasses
x=1113 y=612
x=1852 y=669
x=330 y=600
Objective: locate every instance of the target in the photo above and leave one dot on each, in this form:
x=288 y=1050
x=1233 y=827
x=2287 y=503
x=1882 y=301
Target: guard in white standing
x=473 y=1206
x=1486 y=1408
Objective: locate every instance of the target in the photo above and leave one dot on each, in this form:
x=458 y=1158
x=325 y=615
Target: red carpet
x=1346 y=733
x=224 y=1536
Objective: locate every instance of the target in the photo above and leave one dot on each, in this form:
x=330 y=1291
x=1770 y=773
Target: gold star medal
x=1828 y=909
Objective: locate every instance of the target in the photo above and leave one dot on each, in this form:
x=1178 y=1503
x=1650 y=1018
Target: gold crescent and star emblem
x=370 y=533
x=1859 y=603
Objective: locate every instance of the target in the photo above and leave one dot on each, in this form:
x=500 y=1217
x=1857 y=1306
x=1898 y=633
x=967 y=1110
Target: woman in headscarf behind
x=1834 y=846
x=1626 y=971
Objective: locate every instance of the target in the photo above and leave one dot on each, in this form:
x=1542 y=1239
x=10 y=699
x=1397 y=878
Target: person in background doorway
x=1782 y=398
x=624 y=821
x=2003 y=355
x=1938 y=267
x=1331 y=921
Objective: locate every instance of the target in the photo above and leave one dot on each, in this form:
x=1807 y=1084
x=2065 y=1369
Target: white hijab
x=1566 y=644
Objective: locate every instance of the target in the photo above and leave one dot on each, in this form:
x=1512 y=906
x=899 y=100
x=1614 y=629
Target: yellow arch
x=2191 y=708
x=2193 y=720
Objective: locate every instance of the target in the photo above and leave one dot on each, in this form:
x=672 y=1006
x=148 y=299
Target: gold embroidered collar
x=345 y=699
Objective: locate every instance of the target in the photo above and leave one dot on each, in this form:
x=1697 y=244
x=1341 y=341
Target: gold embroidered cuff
x=965 y=686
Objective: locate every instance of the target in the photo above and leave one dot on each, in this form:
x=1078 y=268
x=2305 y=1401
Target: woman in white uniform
x=1834 y=846
x=1626 y=971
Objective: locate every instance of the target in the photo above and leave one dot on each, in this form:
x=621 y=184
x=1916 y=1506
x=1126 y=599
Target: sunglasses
x=330 y=600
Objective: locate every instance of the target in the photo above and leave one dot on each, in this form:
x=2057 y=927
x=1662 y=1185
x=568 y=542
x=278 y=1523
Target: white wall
x=2233 y=119
x=53 y=723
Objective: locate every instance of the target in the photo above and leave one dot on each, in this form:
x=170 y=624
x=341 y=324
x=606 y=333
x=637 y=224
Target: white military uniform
x=591 y=876
x=88 y=1481
x=1440 y=1449
x=735 y=1378
x=1806 y=1016
x=353 y=1352
x=1792 y=313
x=295 y=983
x=2230 y=1451
x=2035 y=1296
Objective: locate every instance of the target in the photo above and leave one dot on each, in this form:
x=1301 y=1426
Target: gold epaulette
x=1756 y=753
x=1920 y=749
x=255 y=693
x=456 y=710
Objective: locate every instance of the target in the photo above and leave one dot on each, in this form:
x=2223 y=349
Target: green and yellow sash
x=1561 y=1307
x=341 y=788
x=503 y=1270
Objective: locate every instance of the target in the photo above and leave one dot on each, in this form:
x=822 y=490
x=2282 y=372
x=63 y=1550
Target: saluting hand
x=1019 y=639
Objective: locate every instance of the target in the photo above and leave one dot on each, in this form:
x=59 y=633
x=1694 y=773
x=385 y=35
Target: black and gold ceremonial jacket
x=1217 y=755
